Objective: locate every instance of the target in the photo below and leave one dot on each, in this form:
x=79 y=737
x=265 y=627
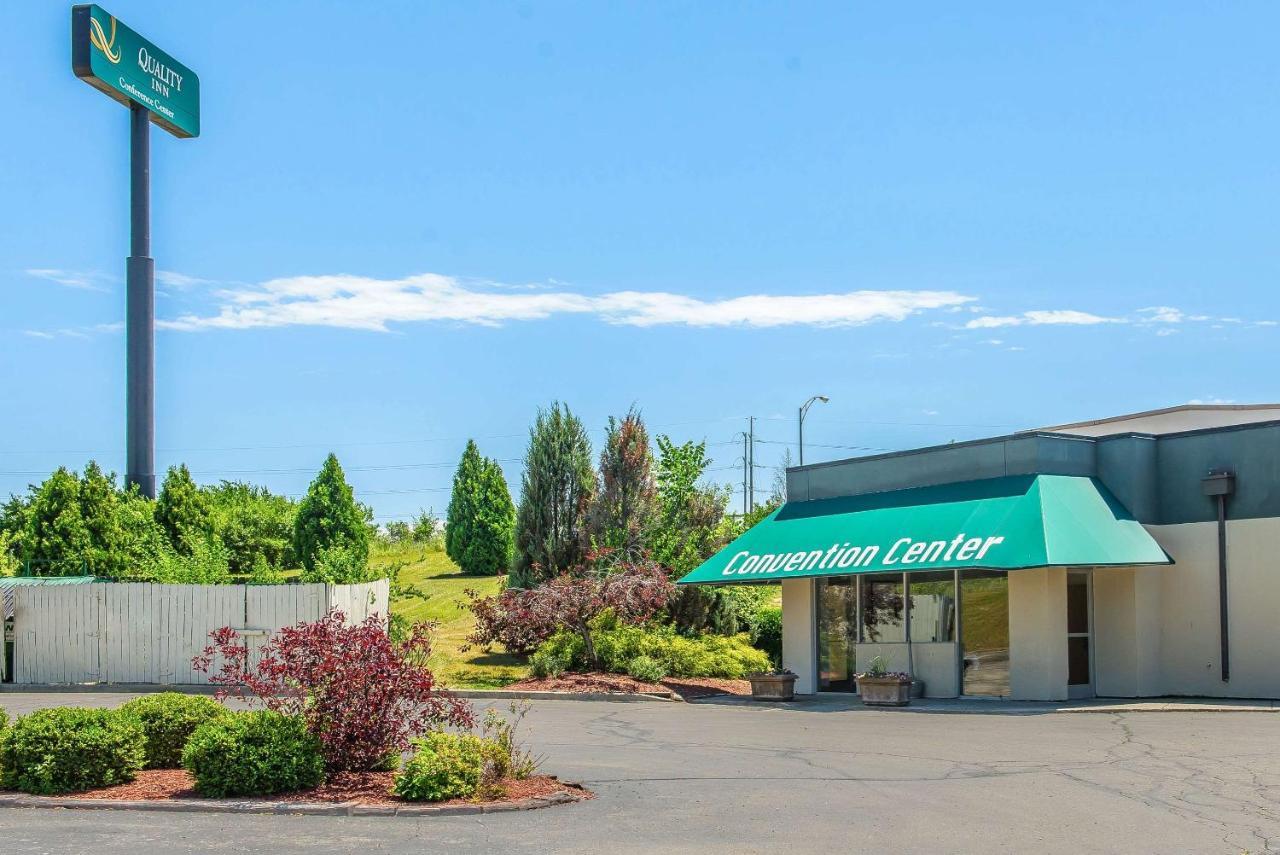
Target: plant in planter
x=777 y=685
x=880 y=687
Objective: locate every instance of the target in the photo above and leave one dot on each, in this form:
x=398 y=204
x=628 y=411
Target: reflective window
x=933 y=606
x=837 y=627
x=984 y=631
x=882 y=609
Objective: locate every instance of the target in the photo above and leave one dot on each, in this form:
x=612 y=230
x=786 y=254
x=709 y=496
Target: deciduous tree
x=632 y=591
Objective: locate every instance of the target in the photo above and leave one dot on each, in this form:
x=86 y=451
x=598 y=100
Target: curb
x=200 y=689
x=616 y=697
x=106 y=688
x=286 y=808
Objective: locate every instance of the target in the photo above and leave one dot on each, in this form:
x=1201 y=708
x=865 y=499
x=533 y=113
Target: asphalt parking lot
x=712 y=777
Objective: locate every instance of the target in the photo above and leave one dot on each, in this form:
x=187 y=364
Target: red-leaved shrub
x=362 y=694
x=633 y=591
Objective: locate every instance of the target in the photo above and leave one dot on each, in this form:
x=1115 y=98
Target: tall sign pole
x=140 y=318
x=156 y=88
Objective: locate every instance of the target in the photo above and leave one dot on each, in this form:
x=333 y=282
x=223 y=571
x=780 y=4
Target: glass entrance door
x=837 y=606
x=1079 y=634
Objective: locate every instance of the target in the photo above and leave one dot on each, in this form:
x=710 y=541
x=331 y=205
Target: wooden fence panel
x=56 y=634
x=135 y=632
x=357 y=602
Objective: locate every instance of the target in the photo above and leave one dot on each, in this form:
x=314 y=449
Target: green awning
x=1009 y=523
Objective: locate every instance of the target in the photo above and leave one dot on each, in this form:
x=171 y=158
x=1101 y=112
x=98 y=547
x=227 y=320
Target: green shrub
x=168 y=720
x=547 y=664
x=443 y=766
x=646 y=669
x=4 y=718
x=766 y=632
x=730 y=657
x=339 y=565
x=253 y=754
x=66 y=749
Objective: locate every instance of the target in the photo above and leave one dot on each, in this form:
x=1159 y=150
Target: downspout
x=906 y=610
x=1220 y=484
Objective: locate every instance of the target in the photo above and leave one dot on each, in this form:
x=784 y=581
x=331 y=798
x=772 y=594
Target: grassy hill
x=442 y=586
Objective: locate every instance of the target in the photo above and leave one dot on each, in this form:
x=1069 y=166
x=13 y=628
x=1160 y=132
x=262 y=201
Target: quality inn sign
x=116 y=60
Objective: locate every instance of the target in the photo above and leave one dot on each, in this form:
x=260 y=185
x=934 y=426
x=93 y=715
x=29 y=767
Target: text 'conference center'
x=1134 y=556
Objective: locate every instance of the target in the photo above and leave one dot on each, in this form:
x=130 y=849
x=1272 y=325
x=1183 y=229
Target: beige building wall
x=1038 y=634
x=1188 y=603
x=800 y=633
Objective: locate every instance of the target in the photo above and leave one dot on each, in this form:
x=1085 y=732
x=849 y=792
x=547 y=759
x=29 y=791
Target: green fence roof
x=1008 y=523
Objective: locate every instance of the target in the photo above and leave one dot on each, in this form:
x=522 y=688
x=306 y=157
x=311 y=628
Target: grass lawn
x=434 y=575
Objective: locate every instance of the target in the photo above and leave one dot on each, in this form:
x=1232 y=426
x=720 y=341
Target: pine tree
x=480 y=525
x=624 y=508
x=183 y=510
x=328 y=517
x=555 y=494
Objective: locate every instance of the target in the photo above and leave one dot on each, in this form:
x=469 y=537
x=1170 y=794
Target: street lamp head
x=824 y=399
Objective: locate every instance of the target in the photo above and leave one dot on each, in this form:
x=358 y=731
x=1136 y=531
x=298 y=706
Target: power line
x=360 y=443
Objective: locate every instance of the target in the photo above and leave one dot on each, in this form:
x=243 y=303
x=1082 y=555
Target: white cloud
x=174 y=279
x=84 y=280
x=1168 y=315
x=1212 y=400
x=1040 y=317
x=994 y=342
x=357 y=302
x=1164 y=331
x=65 y=332
x=1266 y=323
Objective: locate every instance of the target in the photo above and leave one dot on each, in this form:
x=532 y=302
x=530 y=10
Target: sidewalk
x=840 y=702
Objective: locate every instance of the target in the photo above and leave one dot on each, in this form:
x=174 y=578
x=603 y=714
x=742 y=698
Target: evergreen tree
x=86 y=524
x=623 y=509
x=183 y=510
x=329 y=517
x=555 y=494
x=480 y=525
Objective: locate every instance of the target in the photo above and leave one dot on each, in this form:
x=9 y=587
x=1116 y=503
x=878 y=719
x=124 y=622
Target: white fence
x=126 y=632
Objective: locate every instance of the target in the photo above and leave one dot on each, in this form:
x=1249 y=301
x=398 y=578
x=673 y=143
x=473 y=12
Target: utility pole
x=751 y=462
x=746 y=467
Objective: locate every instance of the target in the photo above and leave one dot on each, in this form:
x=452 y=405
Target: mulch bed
x=366 y=788
x=620 y=684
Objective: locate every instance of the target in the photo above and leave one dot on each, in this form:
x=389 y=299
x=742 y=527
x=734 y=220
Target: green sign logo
x=116 y=60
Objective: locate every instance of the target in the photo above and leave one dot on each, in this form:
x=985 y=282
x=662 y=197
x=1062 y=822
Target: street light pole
x=804 y=410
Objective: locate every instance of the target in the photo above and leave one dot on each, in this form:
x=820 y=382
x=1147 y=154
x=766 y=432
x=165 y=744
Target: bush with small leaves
x=253 y=754
x=547 y=664
x=168 y=719
x=444 y=766
x=766 y=632
x=646 y=669
x=68 y=749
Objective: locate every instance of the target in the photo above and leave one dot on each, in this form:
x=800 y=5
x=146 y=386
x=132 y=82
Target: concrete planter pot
x=884 y=691
x=773 y=687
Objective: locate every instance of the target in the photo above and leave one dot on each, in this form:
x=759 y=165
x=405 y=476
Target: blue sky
x=409 y=223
